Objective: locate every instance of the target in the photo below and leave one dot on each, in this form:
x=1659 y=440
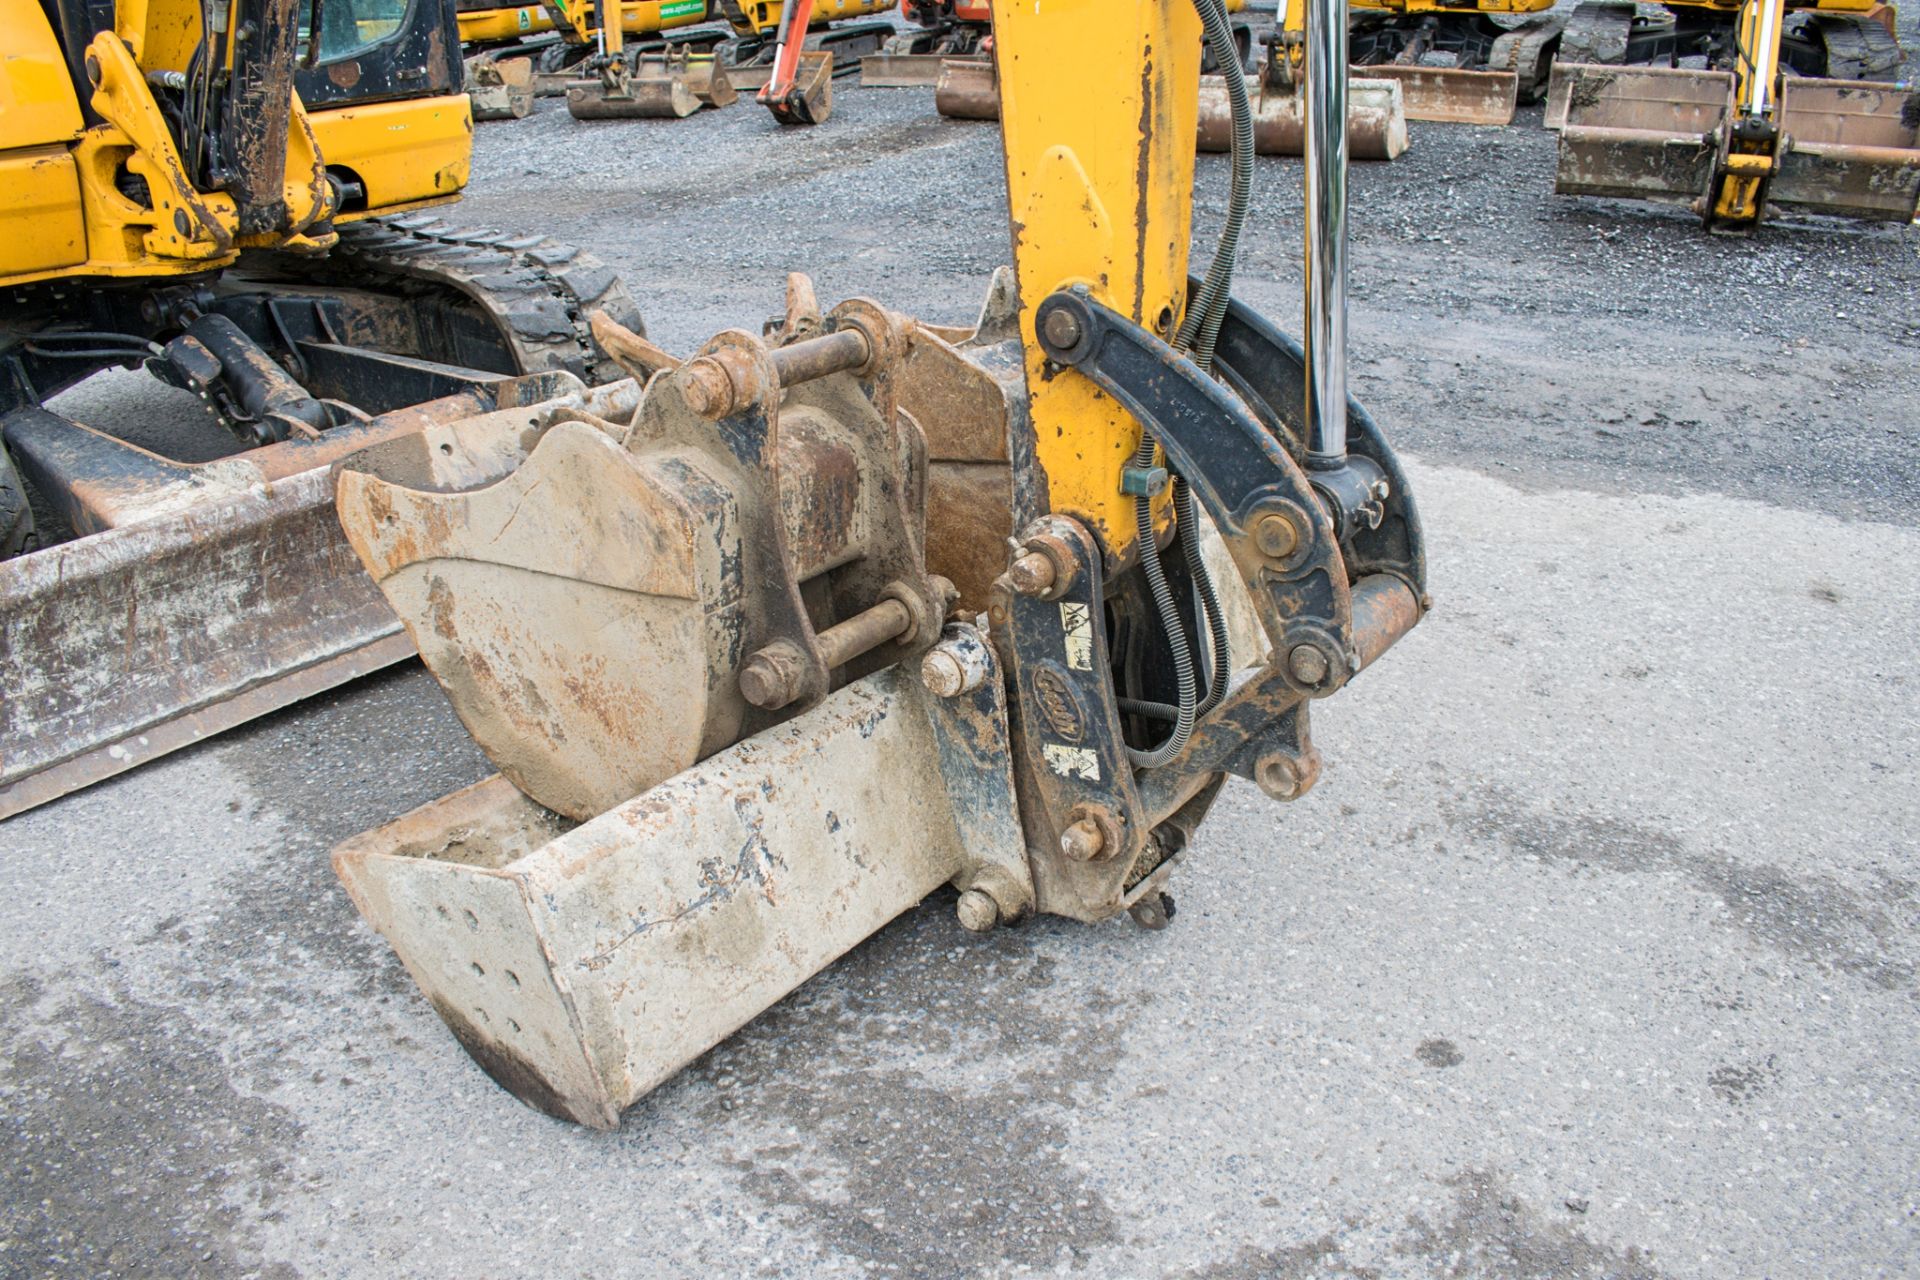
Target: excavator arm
x=789 y=633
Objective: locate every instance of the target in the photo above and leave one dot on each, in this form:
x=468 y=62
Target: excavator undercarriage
x=204 y=206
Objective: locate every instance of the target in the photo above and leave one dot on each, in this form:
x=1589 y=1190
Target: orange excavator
x=799 y=90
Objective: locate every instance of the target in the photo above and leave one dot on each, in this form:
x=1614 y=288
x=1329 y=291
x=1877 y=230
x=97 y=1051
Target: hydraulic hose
x=1221 y=667
x=1170 y=624
x=1197 y=334
x=1201 y=326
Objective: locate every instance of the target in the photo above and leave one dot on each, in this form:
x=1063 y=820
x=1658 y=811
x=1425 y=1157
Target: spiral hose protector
x=1222 y=667
x=1197 y=334
x=1201 y=326
x=1176 y=632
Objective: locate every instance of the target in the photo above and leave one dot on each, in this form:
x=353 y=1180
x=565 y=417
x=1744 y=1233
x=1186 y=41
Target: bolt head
x=706 y=388
x=977 y=911
x=1063 y=328
x=1308 y=664
x=1275 y=535
x=1032 y=574
x=770 y=678
x=942 y=674
x=1082 y=841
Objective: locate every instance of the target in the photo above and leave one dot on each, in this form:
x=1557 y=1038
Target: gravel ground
x=1593 y=955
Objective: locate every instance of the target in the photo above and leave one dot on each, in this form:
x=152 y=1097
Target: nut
x=1308 y=665
x=977 y=911
x=1032 y=574
x=1062 y=328
x=954 y=667
x=771 y=678
x=1278 y=776
x=706 y=388
x=1275 y=535
x=1082 y=841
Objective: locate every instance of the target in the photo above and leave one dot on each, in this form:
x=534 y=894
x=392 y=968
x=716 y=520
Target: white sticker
x=1072 y=762
x=1078 y=625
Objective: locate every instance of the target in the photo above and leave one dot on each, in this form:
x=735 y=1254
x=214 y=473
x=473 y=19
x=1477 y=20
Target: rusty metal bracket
x=1280 y=535
x=1086 y=827
x=1267 y=369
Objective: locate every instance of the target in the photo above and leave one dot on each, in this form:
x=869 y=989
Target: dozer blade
x=967 y=89
x=1449 y=95
x=1640 y=133
x=1376 y=118
x=208 y=595
x=900 y=70
x=810 y=99
x=1852 y=149
x=500 y=89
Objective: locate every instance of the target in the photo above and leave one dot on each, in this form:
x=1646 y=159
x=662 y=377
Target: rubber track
x=1857 y=48
x=1520 y=50
x=1597 y=32
x=540 y=293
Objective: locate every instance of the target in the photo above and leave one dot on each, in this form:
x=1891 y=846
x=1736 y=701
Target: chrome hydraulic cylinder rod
x=1326 y=267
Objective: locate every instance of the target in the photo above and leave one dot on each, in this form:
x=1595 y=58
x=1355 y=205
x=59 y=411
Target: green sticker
x=526 y=19
x=681 y=8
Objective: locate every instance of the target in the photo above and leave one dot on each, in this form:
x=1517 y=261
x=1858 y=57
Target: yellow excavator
x=1500 y=52
x=787 y=633
x=196 y=189
x=659 y=59
x=1794 y=107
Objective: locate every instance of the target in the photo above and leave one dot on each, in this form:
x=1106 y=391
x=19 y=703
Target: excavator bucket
x=1376 y=114
x=1645 y=133
x=1852 y=149
x=650 y=87
x=1376 y=117
x=900 y=70
x=967 y=89
x=707 y=79
x=1450 y=95
x=500 y=88
x=810 y=99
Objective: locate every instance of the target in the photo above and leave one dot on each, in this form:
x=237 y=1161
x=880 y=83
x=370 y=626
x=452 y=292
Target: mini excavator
x=1796 y=109
x=193 y=188
x=649 y=59
x=776 y=639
